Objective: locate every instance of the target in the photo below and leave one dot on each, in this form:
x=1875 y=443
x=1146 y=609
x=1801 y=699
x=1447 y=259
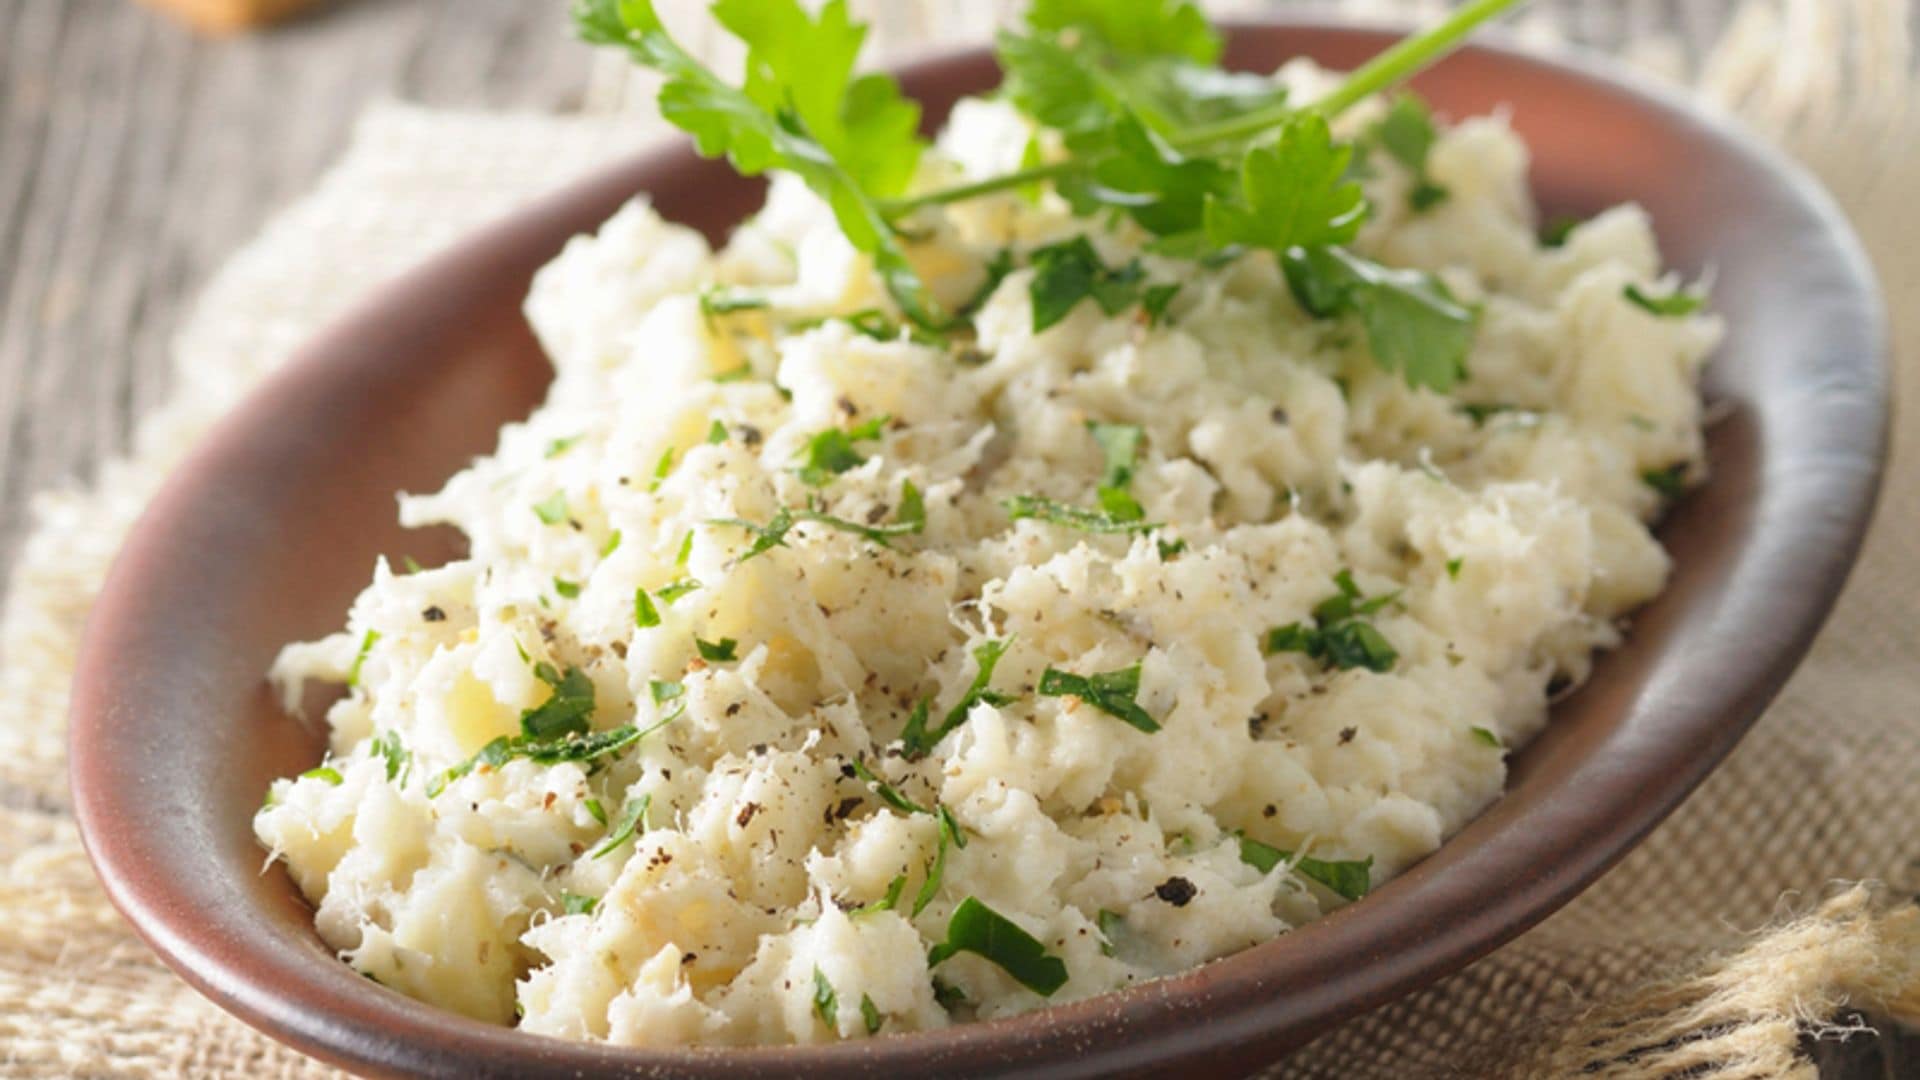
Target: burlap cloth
x=1713 y=950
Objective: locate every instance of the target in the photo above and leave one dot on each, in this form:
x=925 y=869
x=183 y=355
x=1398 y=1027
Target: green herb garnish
x=888 y=793
x=1340 y=636
x=566 y=711
x=1678 y=303
x=574 y=904
x=367 y=642
x=950 y=835
x=552 y=510
x=1486 y=737
x=1207 y=161
x=630 y=823
x=1112 y=692
x=323 y=772
x=1406 y=132
x=644 y=613
x=1350 y=879
x=986 y=656
x=887 y=902
x=1074 y=517
x=826 y=1003
x=567 y=589
x=1670 y=482
x=1110 y=924
x=674 y=590
x=716 y=652
x=978 y=929
x=870 y=1014
x=389 y=749
x=831 y=452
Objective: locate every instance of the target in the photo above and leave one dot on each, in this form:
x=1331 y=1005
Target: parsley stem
x=963 y=192
x=1391 y=67
x=1410 y=55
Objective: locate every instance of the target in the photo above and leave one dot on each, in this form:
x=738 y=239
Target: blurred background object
x=227 y=16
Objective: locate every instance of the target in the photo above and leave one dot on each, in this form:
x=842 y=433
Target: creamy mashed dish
x=809 y=679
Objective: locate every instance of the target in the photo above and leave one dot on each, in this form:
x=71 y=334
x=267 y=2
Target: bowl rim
x=1076 y=1036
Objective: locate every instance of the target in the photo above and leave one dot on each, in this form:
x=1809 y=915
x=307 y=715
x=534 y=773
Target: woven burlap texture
x=1710 y=951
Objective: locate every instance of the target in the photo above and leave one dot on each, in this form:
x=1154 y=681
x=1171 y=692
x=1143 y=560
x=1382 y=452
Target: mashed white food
x=652 y=557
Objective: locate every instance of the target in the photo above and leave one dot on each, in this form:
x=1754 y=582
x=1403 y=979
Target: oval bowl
x=268 y=531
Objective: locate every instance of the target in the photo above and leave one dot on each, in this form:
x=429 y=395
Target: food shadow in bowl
x=267 y=531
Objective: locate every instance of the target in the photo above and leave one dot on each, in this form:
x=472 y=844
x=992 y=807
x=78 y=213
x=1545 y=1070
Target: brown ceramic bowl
x=265 y=534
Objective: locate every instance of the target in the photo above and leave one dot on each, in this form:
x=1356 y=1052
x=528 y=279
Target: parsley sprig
x=1209 y=162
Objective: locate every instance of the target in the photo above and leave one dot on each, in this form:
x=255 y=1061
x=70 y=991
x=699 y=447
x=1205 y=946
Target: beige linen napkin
x=1714 y=947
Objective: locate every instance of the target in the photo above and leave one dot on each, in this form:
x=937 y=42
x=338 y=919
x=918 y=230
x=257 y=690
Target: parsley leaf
x=950 y=835
x=716 y=652
x=1120 y=445
x=1074 y=517
x=826 y=1003
x=853 y=141
x=1110 y=924
x=566 y=711
x=573 y=904
x=391 y=750
x=1670 y=482
x=1487 y=737
x=1293 y=192
x=1413 y=325
x=1406 y=132
x=870 y=1014
x=1339 y=637
x=644 y=613
x=567 y=589
x=909 y=518
x=576 y=747
x=674 y=590
x=1680 y=302
x=1112 y=692
x=888 y=793
x=631 y=817
x=1143 y=28
x=327 y=773
x=831 y=452
x=552 y=510
x=986 y=656
x=887 y=902
x=1350 y=879
x=1071 y=271
x=978 y=929
x=367 y=642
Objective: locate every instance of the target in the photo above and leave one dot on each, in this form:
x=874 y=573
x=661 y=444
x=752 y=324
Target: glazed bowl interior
x=266 y=534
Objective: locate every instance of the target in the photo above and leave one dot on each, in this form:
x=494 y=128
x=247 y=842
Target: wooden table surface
x=134 y=157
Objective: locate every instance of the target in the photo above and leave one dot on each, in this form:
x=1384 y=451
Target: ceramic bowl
x=271 y=527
